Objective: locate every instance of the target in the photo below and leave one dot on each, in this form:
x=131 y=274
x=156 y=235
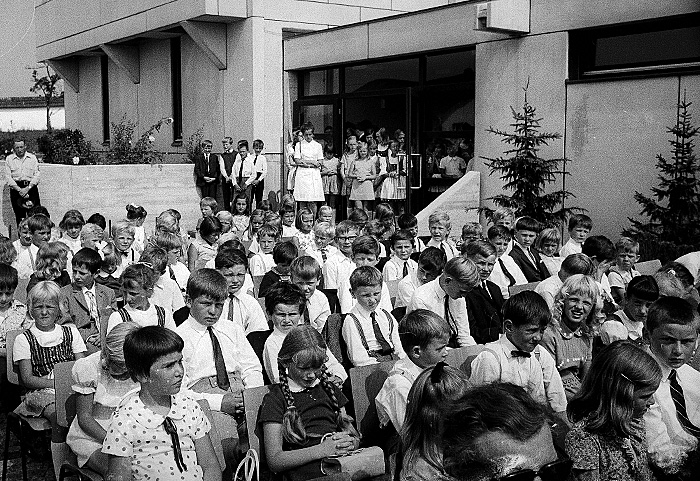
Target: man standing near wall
x=22 y=176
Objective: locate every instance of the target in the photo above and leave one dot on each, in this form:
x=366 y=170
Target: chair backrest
x=21 y=291
x=334 y=338
x=257 y=339
x=213 y=433
x=461 y=358
x=530 y=286
x=252 y=400
x=393 y=287
x=366 y=382
x=648 y=268
x=12 y=370
x=257 y=280
x=65 y=396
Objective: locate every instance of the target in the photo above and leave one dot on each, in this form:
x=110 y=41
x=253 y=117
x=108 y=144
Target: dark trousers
x=259 y=192
x=227 y=193
x=20 y=205
x=208 y=189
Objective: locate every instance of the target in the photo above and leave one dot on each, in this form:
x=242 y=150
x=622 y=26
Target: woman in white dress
x=308 y=157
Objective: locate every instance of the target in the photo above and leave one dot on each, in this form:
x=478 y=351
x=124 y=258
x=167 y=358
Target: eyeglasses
x=555 y=471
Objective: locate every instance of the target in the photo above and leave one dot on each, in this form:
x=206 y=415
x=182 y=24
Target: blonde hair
x=113 y=349
x=584 y=286
x=440 y=216
x=43 y=291
x=48 y=260
x=123 y=226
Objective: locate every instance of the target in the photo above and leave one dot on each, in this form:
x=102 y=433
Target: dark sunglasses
x=556 y=471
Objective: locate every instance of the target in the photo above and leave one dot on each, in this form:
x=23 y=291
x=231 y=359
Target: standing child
x=620 y=275
x=452 y=166
x=306 y=273
x=304 y=235
x=243 y=172
x=629 y=322
x=362 y=173
x=569 y=335
x=440 y=226
x=137 y=283
x=226 y=160
x=400 y=264
x=100 y=380
x=370 y=332
x=203 y=248
x=206 y=171
x=330 y=173
x=263 y=261
x=517 y=356
x=580 y=226
x=299 y=414
x=137 y=216
x=70 y=226
x=257 y=183
x=393 y=189
x=241 y=213
x=36 y=351
x=282 y=255
x=607 y=441
x=159 y=430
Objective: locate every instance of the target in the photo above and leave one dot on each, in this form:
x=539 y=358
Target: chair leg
x=7 y=447
x=22 y=449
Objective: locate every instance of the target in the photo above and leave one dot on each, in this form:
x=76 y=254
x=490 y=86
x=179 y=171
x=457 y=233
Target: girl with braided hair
x=303 y=418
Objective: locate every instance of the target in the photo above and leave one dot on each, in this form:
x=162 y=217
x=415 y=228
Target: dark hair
x=421 y=326
x=578 y=264
x=600 y=247
x=406 y=221
x=209 y=226
x=365 y=276
x=258 y=143
x=358 y=216
x=243 y=143
x=233 y=243
x=98 y=219
x=72 y=218
x=144 y=346
x=669 y=310
x=432 y=259
x=300 y=214
x=580 y=220
x=89 y=258
x=8 y=278
x=401 y=235
x=680 y=272
x=286 y=293
x=241 y=195
x=305 y=268
x=496 y=231
x=643 y=287
x=528 y=223
x=286 y=209
x=230 y=258
x=365 y=244
x=207 y=282
x=478 y=248
x=134 y=212
x=39 y=209
x=497 y=407
x=39 y=222
x=284 y=253
x=328 y=149
x=527 y=307
x=138 y=274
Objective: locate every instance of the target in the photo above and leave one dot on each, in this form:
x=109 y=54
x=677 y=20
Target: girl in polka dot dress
x=158 y=432
x=302 y=417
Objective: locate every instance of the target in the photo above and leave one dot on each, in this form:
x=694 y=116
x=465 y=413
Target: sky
x=17 y=56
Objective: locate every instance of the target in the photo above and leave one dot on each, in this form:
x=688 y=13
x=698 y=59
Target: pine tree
x=527 y=174
x=674 y=207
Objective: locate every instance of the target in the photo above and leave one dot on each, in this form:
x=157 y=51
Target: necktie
x=221 y=376
x=679 y=401
x=405 y=268
x=383 y=344
x=240 y=173
x=92 y=305
x=324 y=256
x=307 y=316
x=518 y=353
x=171 y=429
x=208 y=166
x=531 y=256
x=230 y=308
x=442 y=248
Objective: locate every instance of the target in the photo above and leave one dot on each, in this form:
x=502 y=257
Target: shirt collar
x=567 y=333
x=508 y=346
x=665 y=370
x=407 y=365
x=439 y=291
x=196 y=326
x=152 y=420
x=362 y=311
x=84 y=289
x=294 y=387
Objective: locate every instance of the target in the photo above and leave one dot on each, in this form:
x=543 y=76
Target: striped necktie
x=679 y=401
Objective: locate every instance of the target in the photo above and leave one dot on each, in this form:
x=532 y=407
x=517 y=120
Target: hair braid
x=292 y=428
x=343 y=421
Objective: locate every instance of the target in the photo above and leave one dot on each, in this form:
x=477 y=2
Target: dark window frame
x=104 y=83
x=176 y=88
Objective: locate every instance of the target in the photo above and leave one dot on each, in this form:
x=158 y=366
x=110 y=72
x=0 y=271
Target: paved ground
x=39 y=467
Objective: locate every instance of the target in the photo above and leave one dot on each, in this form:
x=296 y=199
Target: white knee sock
x=60 y=452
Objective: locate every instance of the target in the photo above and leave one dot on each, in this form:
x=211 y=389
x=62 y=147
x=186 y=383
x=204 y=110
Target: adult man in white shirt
x=22 y=177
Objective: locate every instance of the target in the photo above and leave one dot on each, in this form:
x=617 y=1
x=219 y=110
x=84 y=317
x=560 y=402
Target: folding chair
x=252 y=400
x=17 y=423
x=462 y=357
x=648 y=268
x=393 y=287
x=65 y=413
x=257 y=339
x=21 y=291
x=366 y=382
x=530 y=286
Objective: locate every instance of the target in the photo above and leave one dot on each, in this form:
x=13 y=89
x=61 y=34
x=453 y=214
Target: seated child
x=400 y=264
x=574 y=264
x=137 y=283
x=629 y=322
x=506 y=272
x=623 y=271
x=240 y=307
x=172 y=245
x=298 y=413
x=409 y=222
x=13 y=316
x=430 y=265
x=518 y=358
x=304 y=236
x=136 y=214
x=569 y=335
x=24 y=262
x=306 y=274
x=203 y=248
x=370 y=332
x=282 y=255
x=123 y=238
x=365 y=252
x=50 y=265
x=360 y=218
x=424 y=337
x=671 y=422
x=250 y=236
x=36 y=351
x=100 y=381
x=340 y=265
x=377 y=230
x=92 y=236
x=471 y=231
x=580 y=226
x=547 y=244
x=227 y=231
x=523 y=252
x=439 y=225
x=70 y=226
x=287 y=214
x=241 y=217
x=166 y=291
x=218 y=360
x=39 y=229
x=106 y=275
x=159 y=430
x=285 y=304
x=484 y=303
x=86 y=303
x=322 y=249
x=263 y=261
x=601 y=251
x=326 y=213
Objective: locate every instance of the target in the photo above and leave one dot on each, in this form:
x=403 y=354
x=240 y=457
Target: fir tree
x=526 y=174
x=674 y=207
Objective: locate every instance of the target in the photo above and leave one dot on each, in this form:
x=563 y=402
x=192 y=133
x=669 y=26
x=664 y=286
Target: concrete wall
x=31 y=119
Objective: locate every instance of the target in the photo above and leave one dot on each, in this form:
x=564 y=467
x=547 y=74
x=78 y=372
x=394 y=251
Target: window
x=320 y=82
x=176 y=87
x=382 y=75
x=454 y=67
x=662 y=45
x=104 y=71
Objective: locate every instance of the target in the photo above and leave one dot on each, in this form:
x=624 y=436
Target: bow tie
x=518 y=353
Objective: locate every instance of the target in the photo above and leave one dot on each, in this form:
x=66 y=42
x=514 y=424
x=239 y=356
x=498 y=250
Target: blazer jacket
x=532 y=273
x=484 y=312
x=201 y=169
x=74 y=306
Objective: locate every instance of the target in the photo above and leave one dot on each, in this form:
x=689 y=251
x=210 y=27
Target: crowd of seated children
x=286 y=306
x=409 y=222
x=172 y=245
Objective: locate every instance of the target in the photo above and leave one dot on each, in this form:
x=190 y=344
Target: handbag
x=361 y=463
x=248 y=467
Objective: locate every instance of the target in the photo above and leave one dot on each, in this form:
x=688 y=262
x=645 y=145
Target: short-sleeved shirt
x=454 y=166
x=54 y=337
x=90 y=378
x=137 y=433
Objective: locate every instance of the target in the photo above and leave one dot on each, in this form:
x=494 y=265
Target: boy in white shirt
x=166 y=292
x=409 y=222
x=365 y=252
x=257 y=182
x=340 y=265
x=628 y=323
x=217 y=358
x=506 y=272
x=430 y=265
x=440 y=226
x=623 y=271
x=400 y=264
x=288 y=217
x=322 y=250
x=39 y=227
x=370 y=332
x=263 y=262
x=580 y=226
x=306 y=273
x=22 y=246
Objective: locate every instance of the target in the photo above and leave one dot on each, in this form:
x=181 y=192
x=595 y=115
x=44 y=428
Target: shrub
x=122 y=148
x=60 y=146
